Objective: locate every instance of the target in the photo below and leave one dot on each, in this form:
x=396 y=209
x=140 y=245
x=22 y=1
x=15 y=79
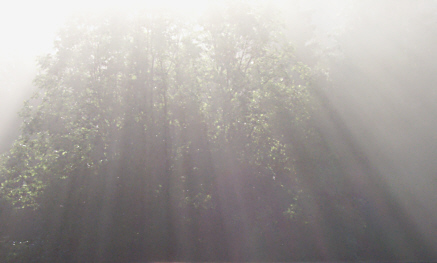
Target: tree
x=160 y=138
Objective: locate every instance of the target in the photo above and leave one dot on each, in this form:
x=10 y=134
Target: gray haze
x=383 y=91
x=378 y=57
x=28 y=31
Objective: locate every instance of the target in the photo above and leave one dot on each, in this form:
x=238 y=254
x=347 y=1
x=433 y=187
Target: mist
x=357 y=159
x=384 y=96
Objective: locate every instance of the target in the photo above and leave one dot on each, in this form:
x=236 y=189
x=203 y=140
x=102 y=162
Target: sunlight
x=29 y=30
x=265 y=130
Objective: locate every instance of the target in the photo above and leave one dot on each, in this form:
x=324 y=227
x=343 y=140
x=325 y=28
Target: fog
x=385 y=96
x=381 y=98
x=374 y=65
x=28 y=31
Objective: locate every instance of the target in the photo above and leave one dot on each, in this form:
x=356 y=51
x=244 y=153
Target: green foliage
x=151 y=124
x=108 y=78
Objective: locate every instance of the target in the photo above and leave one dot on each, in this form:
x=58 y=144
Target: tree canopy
x=161 y=137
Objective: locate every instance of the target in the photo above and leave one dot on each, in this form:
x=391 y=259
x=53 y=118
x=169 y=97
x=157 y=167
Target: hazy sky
x=28 y=28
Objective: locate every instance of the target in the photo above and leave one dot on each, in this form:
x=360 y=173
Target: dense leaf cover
x=154 y=137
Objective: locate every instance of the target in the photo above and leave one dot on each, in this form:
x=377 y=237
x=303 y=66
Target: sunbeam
x=218 y=131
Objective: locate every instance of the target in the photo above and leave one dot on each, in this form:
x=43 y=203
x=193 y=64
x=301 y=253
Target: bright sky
x=28 y=27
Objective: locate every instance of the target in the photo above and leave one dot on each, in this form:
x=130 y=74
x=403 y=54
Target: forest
x=241 y=134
